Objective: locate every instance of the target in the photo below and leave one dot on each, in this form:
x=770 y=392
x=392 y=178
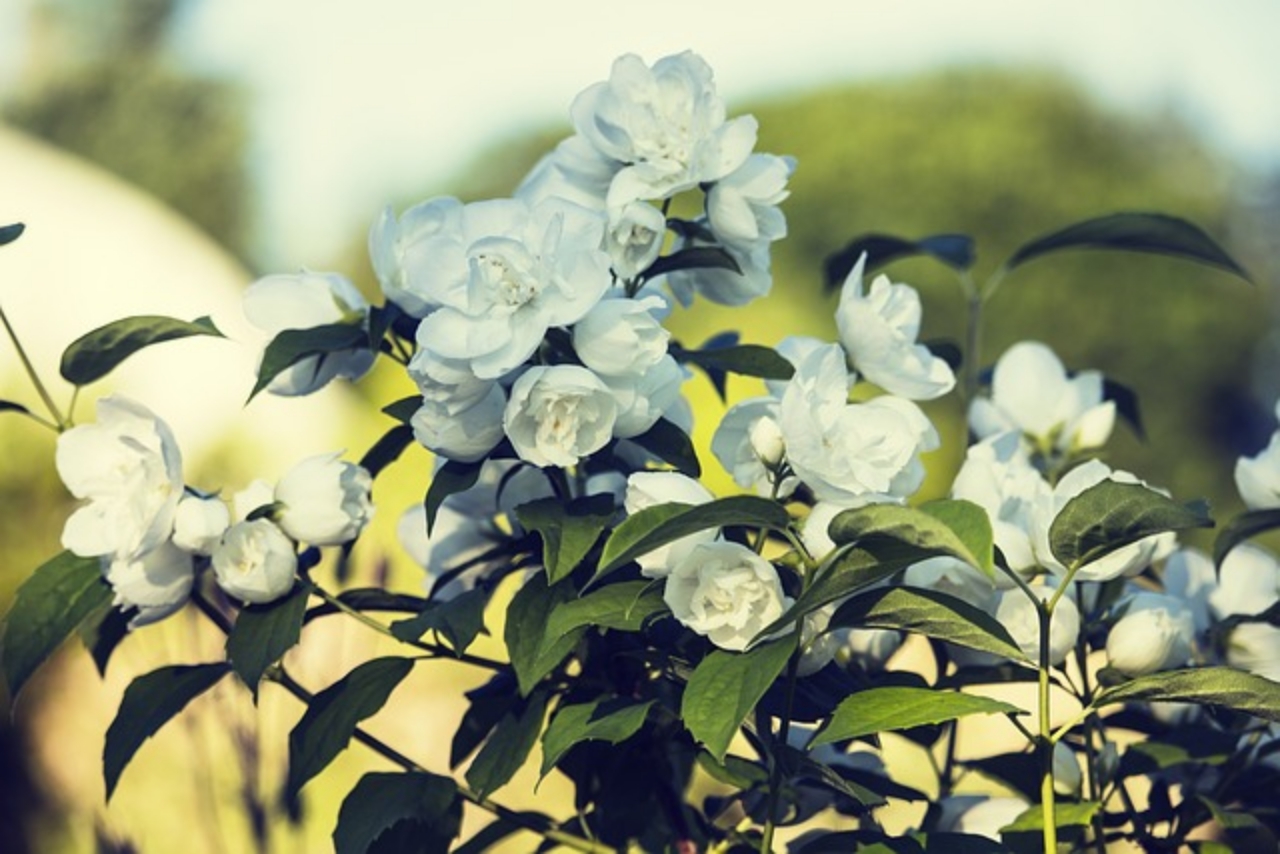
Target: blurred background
x=163 y=153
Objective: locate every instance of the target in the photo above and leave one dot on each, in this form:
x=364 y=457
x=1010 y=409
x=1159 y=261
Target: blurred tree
x=1007 y=157
x=98 y=83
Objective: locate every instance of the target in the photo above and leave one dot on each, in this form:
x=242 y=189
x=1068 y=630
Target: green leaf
x=10 y=233
x=95 y=354
x=692 y=258
x=387 y=449
x=748 y=360
x=1244 y=527
x=48 y=607
x=379 y=801
x=508 y=746
x=955 y=527
x=148 y=704
x=1245 y=832
x=291 y=346
x=459 y=620
x=725 y=687
x=1205 y=686
x=799 y=764
x=1152 y=233
x=626 y=606
x=654 y=527
x=1110 y=515
x=568 y=533
x=1200 y=746
x=449 y=478
x=10 y=406
x=930 y=613
x=264 y=633
x=672 y=445
x=332 y=716
x=1064 y=815
x=404 y=409
x=614 y=720
x=846 y=572
x=1126 y=401
x=896 y=708
x=954 y=250
x=102 y=631
x=369 y=599
x=526 y=631
x=734 y=770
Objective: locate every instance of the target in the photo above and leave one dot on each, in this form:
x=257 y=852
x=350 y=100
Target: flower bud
x=767 y=442
x=255 y=561
x=1154 y=634
x=1067 y=778
x=325 y=501
x=199 y=523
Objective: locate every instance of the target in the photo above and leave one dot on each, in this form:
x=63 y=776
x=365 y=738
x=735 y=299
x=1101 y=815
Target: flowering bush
x=660 y=634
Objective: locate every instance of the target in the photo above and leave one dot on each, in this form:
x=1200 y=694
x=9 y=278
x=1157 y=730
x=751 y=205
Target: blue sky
x=355 y=102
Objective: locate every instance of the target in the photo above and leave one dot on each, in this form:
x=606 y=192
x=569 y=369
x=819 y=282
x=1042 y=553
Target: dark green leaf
x=613 y=720
x=954 y=250
x=508 y=745
x=748 y=360
x=692 y=258
x=734 y=771
x=148 y=704
x=798 y=764
x=459 y=620
x=291 y=346
x=1134 y=232
x=333 y=714
x=725 y=687
x=10 y=233
x=94 y=355
x=404 y=409
x=626 y=606
x=1201 y=746
x=1064 y=815
x=488 y=704
x=526 y=631
x=1110 y=515
x=1018 y=771
x=1126 y=401
x=489 y=836
x=381 y=800
x=1206 y=686
x=672 y=445
x=263 y=633
x=369 y=599
x=103 y=631
x=1245 y=832
x=10 y=406
x=48 y=607
x=929 y=613
x=955 y=527
x=449 y=478
x=387 y=449
x=1246 y=526
x=568 y=533
x=896 y=708
x=656 y=526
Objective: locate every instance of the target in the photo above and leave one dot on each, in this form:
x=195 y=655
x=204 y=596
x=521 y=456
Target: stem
x=31 y=372
x=282 y=678
x=1044 y=743
x=775 y=772
x=382 y=628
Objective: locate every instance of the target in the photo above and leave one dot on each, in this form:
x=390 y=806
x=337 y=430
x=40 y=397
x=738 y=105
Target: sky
x=358 y=103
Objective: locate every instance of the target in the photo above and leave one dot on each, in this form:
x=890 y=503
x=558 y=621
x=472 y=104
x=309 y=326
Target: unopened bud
x=767 y=442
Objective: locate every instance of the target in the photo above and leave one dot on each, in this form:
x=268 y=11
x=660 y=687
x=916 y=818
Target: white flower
x=733 y=446
x=1190 y=576
x=464 y=434
x=1067 y=777
x=127 y=466
x=1248 y=582
x=650 y=488
x=634 y=238
x=1127 y=560
x=1000 y=480
x=504 y=274
x=255 y=496
x=815 y=536
x=557 y=415
x=726 y=592
x=868 y=649
x=620 y=337
x=724 y=286
x=955 y=578
x=1258 y=477
x=742 y=207
x=255 y=562
x=844 y=451
x=1255 y=647
x=644 y=399
x=200 y=522
x=1032 y=395
x=818 y=647
x=1155 y=633
x=404 y=252
x=575 y=171
x=158 y=583
x=664 y=125
x=1019 y=616
x=304 y=301
x=879 y=331
x=980 y=815
x=325 y=500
